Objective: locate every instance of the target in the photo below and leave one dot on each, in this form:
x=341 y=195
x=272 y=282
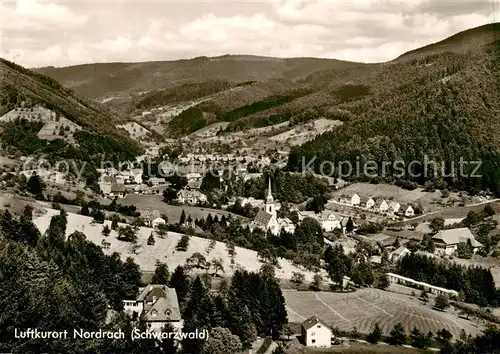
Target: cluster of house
x=191 y=193
x=381 y=205
x=188 y=158
x=114 y=183
x=267 y=220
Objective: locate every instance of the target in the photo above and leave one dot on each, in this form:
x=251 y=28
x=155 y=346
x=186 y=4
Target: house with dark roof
x=316 y=333
x=156 y=305
x=117 y=190
x=446 y=241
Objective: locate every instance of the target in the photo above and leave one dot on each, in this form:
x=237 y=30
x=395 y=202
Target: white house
x=157 y=221
x=407 y=210
x=369 y=203
x=446 y=241
x=266 y=219
x=394 y=207
x=316 y=333
x=329 y=221
x=287 y=225
x=381 y=206
x=157 y=305
x=355 y=200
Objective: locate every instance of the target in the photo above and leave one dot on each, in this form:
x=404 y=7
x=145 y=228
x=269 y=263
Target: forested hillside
x=54 y=283
x=445 y=106
x=19 y=84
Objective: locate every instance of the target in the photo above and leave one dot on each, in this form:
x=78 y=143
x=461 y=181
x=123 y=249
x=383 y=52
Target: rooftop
x=312 y=321
x=456 y=236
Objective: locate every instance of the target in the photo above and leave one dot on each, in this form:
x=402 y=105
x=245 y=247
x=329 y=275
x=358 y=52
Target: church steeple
x=270 y=200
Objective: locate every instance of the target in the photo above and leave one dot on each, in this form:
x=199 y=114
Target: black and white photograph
x=249 y=176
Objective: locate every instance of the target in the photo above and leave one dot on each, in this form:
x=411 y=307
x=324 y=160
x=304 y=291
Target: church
x=266 y=219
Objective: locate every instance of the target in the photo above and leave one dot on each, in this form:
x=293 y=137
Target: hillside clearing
x=365 y=307
x=155 y=203
x=164 y=249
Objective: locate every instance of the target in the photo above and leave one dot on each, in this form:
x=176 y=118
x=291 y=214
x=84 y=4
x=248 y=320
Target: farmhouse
x=117 y=190
x=316 y=333
x=436 y=290
x=157 y=305
x=132 y=176
x=446 y=241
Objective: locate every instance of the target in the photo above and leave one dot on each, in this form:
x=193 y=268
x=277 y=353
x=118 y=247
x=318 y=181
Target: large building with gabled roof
x=156 y=305
x=446 y=241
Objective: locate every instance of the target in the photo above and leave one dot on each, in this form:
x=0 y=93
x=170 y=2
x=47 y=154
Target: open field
x=300 y=134
x=155 y=202
x=457 y=212
x=428 y=200
x=164 y=249
x=365 y=307
x=351 y=348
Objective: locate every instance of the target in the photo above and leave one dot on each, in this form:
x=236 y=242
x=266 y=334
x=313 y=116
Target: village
x=170 y=195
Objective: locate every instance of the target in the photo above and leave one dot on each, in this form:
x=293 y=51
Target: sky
x=37 y=33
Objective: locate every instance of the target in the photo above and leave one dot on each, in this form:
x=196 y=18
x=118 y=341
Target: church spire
x=270 y=200
x=269 y=194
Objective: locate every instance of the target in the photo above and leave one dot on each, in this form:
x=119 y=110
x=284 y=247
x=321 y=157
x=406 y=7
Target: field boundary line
x=338 y=314
x=373 y=305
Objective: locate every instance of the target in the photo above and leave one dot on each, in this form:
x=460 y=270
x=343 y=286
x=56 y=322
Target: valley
x=256 y=195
